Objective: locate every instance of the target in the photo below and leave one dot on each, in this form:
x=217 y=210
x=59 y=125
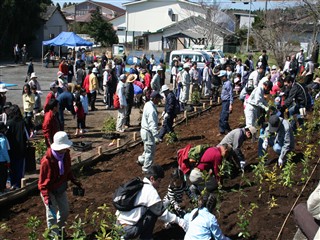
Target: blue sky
x=260 y=4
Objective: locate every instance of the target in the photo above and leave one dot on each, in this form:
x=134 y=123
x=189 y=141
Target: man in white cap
x=55 y=172
x=236 y=138
x=121 y=88
x=156 y=80
x=278 y=135
x=149 y=131
x=226 y=103
x=93 y=88
x=170 y=112
x=185 y=86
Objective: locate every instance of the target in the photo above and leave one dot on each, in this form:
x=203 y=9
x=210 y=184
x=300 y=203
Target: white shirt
x=149 y=119
x=185 y=79
x=121 y=93
x=148 y=196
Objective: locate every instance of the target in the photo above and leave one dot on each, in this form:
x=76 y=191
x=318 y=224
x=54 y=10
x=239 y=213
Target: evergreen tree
x=19 y=20
x=101 y=30
x=64 y=5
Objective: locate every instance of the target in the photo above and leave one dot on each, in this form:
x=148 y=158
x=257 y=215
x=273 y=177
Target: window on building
x=174 y=17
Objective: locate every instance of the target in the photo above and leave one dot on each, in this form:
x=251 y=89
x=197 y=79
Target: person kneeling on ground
x=169 y=113
x=235 y=138
x=209 y=162
x=279 y=135
x=173 y=199
x=202 y=223
x=140 y=221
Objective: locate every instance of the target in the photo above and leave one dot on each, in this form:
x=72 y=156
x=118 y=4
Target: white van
x=219 y=57
x=199 y=56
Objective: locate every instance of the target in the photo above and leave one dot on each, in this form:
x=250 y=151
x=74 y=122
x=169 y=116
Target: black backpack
x=124 y=197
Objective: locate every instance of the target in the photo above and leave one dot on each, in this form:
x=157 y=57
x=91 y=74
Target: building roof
x=49 y=13
x=141 y=1
x=196 y=20
x=120 y=11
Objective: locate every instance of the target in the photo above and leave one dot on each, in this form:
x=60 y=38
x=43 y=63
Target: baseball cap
x=274 y=123
x=53 y=85
x=222 y=73
x=155 y=94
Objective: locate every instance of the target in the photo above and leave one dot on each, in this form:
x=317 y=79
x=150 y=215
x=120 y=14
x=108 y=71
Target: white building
x=147 y=20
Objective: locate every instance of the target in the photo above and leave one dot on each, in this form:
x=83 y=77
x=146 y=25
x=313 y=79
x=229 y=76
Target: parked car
x=199 y=56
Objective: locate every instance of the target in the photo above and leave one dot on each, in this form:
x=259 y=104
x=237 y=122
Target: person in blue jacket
x=65 y=100
x=202 y=224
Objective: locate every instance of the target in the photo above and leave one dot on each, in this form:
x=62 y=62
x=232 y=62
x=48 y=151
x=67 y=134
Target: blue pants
x=294 y=110
x=277 y=146
x=167 y=126
x=224 y=117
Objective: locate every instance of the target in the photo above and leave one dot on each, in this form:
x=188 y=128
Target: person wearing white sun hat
x=55 y=172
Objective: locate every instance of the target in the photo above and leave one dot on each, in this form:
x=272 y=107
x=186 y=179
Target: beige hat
x=60 y=141
x=252 y=130
x=33 y=75
x=131 y=78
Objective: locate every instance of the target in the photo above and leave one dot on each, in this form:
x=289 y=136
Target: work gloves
x=280 y=162
x=265 y=144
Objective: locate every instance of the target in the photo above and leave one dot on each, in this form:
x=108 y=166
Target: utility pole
x=74 y=18
x=249 y=27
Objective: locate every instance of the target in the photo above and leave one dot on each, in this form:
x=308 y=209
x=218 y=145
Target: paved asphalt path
x=16 y=74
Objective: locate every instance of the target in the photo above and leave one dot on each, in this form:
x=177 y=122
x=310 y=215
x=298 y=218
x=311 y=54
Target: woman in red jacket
x=51 y=123
x=55 y=172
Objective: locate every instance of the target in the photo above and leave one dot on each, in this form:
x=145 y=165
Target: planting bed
x=101 y=180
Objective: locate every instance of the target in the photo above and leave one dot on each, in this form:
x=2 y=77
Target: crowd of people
x=80 y=81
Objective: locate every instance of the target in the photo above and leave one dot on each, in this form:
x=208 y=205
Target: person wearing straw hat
x=55 y=172
x=129 y=97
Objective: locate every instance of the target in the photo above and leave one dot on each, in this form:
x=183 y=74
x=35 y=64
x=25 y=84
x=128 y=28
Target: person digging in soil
x=55 y=172
x=202 y=224
x=169 y=113
x=236 y=138
x=140 y=221
x=210 y=162
x=149 y=131
x=279 y=135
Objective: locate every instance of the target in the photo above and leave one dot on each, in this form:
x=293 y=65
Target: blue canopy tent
x=69 y=39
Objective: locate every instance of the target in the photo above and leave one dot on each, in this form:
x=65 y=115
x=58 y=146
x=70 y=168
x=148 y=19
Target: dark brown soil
x=102 y=179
